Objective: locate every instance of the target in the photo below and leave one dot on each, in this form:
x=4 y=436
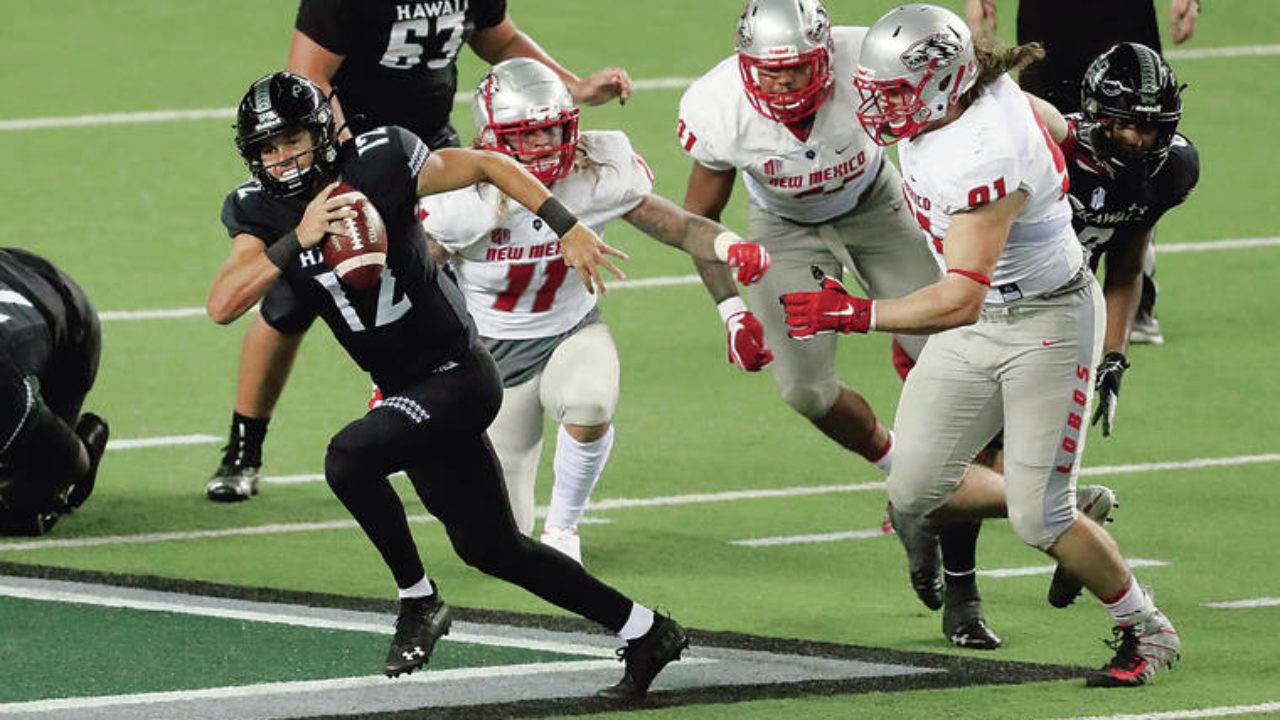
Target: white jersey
x=508 y=261
x=809 y=181
x=996 y=147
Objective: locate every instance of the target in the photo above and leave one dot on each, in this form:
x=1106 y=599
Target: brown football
x=357 y=256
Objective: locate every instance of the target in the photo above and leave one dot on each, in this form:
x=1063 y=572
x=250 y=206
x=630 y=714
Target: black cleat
x=645 y=657
x=232 y=482
x=924 y=555
x=962 y=620
x=421 y=623
x=92 y=431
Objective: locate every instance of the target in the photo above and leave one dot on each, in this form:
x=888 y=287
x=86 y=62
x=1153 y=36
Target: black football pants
x=434 y=430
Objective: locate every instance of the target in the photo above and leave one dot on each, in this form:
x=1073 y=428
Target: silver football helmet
x=525 y=110
x=915 y=63
x=777 y=34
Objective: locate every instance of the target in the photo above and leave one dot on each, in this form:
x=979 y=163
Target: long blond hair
x=996 y=59
x=582 y=161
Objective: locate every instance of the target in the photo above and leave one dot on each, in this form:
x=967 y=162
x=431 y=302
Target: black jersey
x=39 y=313
x=45 y=345
x=1073 y=35
x=400 y=57
x=415 y=320
x=1105 y=206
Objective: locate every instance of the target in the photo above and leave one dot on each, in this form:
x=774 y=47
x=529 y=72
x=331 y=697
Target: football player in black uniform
x=1128 y=166
x=49 y=346
x=391 y=63
x=1074 y=33
x=412 y=334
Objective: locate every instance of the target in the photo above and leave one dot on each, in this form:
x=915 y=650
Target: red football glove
x=830 y=309
x=375 y=398
x=751 y=259
x=746 y=342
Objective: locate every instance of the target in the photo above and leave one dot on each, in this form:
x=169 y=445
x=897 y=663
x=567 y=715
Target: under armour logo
x=414 y=654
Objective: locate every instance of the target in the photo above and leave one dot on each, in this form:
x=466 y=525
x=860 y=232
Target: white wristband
x=722 y=243
x=872 y=324
x=731 y=306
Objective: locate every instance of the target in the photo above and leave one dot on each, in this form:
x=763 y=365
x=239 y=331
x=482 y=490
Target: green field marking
x=179 y=650
x=257 y=658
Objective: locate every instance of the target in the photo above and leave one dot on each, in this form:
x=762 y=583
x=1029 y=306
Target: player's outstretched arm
x=704 y=239
x=504 y=41
x=581 y=248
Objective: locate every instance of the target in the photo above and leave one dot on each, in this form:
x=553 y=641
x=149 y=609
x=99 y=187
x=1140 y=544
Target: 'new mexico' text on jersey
x=508 y=261
x=1103 y=203
x=809 y=181
x=415 y=319
x=998 y=146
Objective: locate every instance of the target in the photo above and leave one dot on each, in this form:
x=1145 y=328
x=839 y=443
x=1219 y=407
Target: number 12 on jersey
x=520 y=277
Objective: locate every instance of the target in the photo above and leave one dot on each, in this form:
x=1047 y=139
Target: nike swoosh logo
x=1051 y=343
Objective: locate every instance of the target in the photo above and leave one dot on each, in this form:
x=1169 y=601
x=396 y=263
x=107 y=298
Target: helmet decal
x=914 y=65
x=937 y=50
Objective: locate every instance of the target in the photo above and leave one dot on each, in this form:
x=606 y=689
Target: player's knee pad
x=1032 y=529
x=809 y=399
x=912 y=499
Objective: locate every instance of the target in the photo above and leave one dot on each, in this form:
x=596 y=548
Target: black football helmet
x=1131 y=83
x=283 y=101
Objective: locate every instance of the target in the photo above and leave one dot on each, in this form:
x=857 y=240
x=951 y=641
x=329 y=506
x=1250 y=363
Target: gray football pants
x=1028 y=368
x=878 y=241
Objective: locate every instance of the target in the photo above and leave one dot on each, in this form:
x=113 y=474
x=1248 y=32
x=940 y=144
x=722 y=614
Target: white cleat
x=565 y=540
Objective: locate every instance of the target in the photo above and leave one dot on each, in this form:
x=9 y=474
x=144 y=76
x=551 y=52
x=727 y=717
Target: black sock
x=244 y=444
x=959 y=547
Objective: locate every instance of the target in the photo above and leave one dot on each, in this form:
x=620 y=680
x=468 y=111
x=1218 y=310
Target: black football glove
x=1110 y=373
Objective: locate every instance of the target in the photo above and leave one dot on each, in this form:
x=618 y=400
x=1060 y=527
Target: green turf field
x=130 y=209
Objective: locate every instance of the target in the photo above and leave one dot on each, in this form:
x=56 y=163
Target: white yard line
x=150 y=442
x=1196 y=464
x=279 y=618
x=306 y=686
x=1244 y=604
x=462 y=98
x=1048 y=569
x=1217 y=245
x=810 y=539
x=1212 y=712
x=1221 y=52
x=615 y=504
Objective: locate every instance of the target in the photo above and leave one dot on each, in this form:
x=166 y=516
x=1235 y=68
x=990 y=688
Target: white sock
x=1132 y=604
x=638 y=623
x=422 y=588
x=886 y=461
x=578 y=466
